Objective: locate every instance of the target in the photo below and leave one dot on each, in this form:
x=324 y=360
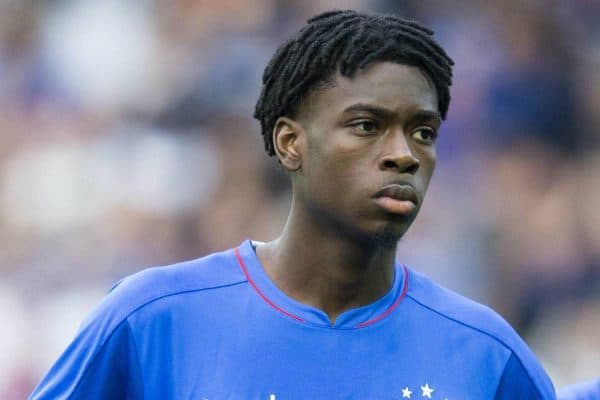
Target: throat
x=331 y=277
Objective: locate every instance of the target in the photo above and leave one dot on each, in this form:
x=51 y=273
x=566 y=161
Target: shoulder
x=132 y=293
x=478 y=320
x=103 y=355
x=460 y=310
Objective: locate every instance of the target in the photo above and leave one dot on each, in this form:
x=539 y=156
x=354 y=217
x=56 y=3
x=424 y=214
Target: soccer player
x=351 y=107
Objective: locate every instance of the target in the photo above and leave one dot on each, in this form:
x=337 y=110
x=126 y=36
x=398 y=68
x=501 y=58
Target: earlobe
x=287 y=136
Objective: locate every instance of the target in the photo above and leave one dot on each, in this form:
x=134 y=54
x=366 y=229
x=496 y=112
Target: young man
x=351 y=107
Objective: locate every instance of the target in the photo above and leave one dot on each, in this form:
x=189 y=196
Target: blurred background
x=126 y=141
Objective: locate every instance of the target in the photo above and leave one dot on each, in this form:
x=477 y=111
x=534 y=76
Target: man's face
x=369 y=151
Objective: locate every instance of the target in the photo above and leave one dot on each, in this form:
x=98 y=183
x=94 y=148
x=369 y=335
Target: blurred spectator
x=583 y=391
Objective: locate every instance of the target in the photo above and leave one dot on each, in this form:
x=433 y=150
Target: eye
x=425 y=135
x=364 y=126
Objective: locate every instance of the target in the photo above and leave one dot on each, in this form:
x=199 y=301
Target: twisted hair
x=345 y=41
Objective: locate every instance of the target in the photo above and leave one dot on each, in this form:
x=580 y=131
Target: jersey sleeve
x=519 y=383
x=95 y=367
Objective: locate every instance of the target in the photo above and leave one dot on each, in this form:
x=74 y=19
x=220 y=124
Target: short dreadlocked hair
x=345 y=41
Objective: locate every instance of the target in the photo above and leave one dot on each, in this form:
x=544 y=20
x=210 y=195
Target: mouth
x=397 y=198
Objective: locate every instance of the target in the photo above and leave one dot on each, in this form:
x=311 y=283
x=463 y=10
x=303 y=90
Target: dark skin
x=348 y=141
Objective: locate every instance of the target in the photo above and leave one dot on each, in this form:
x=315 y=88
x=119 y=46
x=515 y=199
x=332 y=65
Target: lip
x=397 y=191
x=397 y=198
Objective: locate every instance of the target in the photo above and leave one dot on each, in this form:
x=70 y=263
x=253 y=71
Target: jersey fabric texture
x=217 y=328
x=583 y=391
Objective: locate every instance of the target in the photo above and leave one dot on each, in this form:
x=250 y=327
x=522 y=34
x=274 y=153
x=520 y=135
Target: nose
x=398 y=155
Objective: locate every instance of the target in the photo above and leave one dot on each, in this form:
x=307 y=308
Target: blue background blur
x=126 y=141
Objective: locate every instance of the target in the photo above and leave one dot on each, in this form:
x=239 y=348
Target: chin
x=388 y=237
x=385 y=237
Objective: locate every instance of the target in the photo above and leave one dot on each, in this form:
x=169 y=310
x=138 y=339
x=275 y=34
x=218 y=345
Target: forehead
x=400 y=88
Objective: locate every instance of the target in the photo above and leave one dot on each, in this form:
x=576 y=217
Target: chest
x=276 y=359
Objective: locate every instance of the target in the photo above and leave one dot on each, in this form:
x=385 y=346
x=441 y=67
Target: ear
x=288 y=136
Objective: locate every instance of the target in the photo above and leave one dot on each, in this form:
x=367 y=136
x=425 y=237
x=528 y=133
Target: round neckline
x=354 y=318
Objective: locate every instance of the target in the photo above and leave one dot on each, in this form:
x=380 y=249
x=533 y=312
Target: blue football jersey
x=218 y=328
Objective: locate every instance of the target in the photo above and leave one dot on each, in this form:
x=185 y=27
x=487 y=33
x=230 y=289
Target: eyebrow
x=382 y=112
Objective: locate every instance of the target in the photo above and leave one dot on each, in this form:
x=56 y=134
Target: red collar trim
x=393 y=306
x=265 y=298
x=299 y=319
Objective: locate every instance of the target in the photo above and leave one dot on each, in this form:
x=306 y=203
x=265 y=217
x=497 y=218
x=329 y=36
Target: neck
x=325 y=268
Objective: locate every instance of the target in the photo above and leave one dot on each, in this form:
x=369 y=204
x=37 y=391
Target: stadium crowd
x=127 y=141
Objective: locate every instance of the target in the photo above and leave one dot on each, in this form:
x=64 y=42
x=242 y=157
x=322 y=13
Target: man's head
x=345 y=41
x=351 y=106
